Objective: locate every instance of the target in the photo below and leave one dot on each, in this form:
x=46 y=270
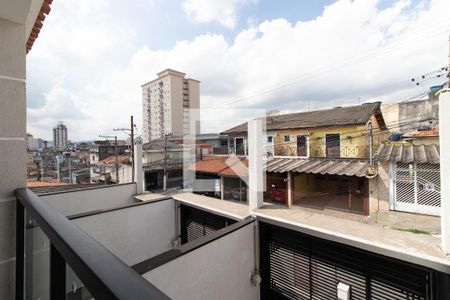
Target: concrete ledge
x=224 y=208
x=419 y=249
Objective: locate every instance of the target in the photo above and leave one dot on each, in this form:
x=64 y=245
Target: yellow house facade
x=348 y=141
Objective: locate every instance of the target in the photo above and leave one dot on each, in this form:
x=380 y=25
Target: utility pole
x=132 y=148
x=70 y=170
x=117 y=162
x=165 y=162
x=370 y=143
x=115 y=154
x=131 y=135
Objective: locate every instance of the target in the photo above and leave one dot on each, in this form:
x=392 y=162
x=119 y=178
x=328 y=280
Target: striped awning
x=348 y=167
x=408 y=153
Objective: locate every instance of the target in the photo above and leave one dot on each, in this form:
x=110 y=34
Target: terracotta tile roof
x=111 y=160
x=339 y=116
x=218 y=165
x=434 y=132
x=31 y=184
x=45 y=10
x=237 y=169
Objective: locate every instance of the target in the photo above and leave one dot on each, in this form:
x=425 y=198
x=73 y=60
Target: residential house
x=81 y=176
x=101 y=150
x=409 y=160
x=160 y=155
x=226 y=177
x=321 y=159
x=409 y=173
x=112 y=170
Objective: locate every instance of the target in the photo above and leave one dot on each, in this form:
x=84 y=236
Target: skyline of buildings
x=166 y=101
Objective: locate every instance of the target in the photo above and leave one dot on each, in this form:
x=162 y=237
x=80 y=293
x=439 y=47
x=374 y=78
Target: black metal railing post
x=57 y=275
x=103 y=274
x=20 y=250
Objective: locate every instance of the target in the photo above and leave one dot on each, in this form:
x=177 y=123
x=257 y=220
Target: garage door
x=417 y=188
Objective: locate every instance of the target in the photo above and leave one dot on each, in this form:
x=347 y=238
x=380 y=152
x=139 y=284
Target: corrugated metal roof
x=62 y=188
x=339 y=116
x=408 y=153
x=348 y=167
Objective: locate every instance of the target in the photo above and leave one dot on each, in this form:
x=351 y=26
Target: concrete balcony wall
x=136 y=233
x=90 y=199
x=13 y=15
x=219 y=270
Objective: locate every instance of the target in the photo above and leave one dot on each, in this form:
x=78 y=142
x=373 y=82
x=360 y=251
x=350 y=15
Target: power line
x=340 y=63
x=376 y=131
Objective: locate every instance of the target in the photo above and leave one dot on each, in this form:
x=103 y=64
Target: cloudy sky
x=91 y=57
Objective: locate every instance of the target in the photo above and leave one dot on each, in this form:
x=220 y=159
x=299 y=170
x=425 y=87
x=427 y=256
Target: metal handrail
x=104 y=275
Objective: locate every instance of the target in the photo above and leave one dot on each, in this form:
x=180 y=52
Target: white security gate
x=417 y=188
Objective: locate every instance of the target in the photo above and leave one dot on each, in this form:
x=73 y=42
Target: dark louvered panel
x=194 y=230
x=196 y=223
x=289 y=272
x=382 y=291
x=297 y=266
x=325 y=277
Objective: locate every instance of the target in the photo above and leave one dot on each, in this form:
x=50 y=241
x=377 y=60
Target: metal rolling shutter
x=196 y=223
x=298 y=266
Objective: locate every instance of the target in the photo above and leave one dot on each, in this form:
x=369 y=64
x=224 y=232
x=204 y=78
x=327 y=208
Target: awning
x=348 y=167
x=408 y=153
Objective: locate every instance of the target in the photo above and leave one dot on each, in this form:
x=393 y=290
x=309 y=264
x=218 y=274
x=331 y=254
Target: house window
x=302 y=147
x=287 y=138
x=333 y=144
x=270 y=139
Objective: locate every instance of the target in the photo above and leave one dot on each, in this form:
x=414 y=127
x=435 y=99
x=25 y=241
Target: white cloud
x=223 y=12
x=353 y=50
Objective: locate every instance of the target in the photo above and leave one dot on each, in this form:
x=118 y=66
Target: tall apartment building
x=60 y=136
x=30 y=142
x=166 y=101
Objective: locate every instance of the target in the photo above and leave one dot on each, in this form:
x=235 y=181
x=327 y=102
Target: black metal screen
x=298 y=266
x=196 y=223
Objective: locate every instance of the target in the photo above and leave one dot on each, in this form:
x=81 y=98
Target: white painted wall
x=13 y=38
x=444 y=128
x=255 y=164
x=134 y=234
x=86 y=200
x=218 y=270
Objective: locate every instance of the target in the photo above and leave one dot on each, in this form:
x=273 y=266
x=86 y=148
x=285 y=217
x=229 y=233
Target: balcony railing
x=230 y=150
x=67 y=261
x=331 y=152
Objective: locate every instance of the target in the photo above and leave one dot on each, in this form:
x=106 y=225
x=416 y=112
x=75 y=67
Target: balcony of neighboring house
x=235 y=146
x=327 y=146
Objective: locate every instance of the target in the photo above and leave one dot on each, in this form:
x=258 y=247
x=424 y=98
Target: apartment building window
x=270 y=139
x=287 y=138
